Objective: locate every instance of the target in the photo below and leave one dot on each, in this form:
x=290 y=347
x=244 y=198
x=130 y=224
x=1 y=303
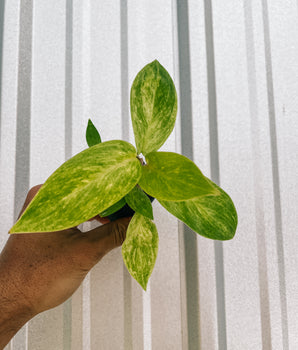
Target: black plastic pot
x=126 y=211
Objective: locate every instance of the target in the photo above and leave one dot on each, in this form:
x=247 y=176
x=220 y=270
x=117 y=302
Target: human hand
x=44 y=269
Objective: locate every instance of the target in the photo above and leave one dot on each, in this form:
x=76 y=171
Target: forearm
x=14 y=310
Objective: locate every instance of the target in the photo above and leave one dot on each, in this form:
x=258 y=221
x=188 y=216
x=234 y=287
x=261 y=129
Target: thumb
x=30 y=195
x=109 y=236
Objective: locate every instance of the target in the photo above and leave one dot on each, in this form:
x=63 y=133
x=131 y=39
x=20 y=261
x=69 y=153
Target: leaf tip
x=144 y=284
x=157 y=66
x=12 y=230
x=16 y=228
x=89 y=122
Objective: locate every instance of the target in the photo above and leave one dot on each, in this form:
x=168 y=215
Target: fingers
x=104 y=220
x=107 y=237
x=33 y=191
x=31 y=194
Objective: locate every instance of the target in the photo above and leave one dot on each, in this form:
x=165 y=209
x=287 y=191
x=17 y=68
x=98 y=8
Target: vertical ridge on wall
x=255 y=127
x=275 y=177
x=178 y=148
x=9 y=96
x=214 y=170
x=189 y=237
x=81 y=85
x=201 y=147
x=22 y=160
x=139 y=336
x=127 y=286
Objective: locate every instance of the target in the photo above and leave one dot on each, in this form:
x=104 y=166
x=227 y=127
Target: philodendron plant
x=108 y=175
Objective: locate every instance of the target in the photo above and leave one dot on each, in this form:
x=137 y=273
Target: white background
x=235 y=66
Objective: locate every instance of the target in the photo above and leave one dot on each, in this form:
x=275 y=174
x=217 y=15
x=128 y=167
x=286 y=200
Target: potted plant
x=109 y=175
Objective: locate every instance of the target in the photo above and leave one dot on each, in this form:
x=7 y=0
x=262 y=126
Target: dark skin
x=39 y=271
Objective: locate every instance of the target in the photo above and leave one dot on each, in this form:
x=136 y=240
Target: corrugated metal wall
x=235 y=65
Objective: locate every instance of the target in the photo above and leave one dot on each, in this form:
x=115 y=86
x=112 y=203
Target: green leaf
x=211 y=216
x=153 y=105
x=139 y=202
x=171 y=176
x=113 y=208
x=140 y=248
x=82 y=187
x=92 y=135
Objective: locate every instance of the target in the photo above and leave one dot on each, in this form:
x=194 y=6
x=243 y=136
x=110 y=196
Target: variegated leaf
x=211 y=216
x=82 y=187
x=140 y=248
x=153 y=104
x=139 y=202
x=171 y=176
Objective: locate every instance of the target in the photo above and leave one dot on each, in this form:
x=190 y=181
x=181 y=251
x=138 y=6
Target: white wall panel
x=80 y=76
x=106 y=288
x=9 y=84
x=201 y=155
x=235 y=67
x=236 y=177
x=47 y=131
x=271 y=325
x=283 y=30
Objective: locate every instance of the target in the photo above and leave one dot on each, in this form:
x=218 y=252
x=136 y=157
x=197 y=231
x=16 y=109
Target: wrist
x=13 y=317
x=15 y=310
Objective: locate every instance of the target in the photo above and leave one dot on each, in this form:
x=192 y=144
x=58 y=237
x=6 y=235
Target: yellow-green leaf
x=82 y=187
x=173 y=177
x=140 y=248
x=139 y=202
x=153 y=105
x=211 y=216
